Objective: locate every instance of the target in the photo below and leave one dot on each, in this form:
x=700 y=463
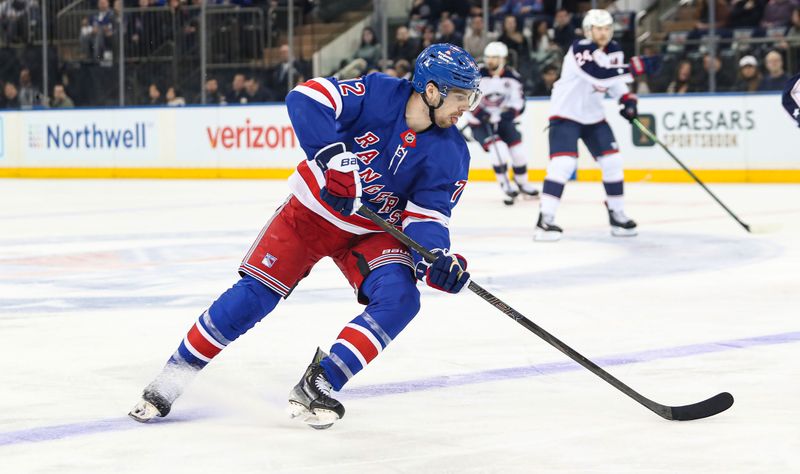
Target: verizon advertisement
x=237 y=137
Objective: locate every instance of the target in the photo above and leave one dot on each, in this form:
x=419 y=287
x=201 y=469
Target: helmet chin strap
x=432 y=108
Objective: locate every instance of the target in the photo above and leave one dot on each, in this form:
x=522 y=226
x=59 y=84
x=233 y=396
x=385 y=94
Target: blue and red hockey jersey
x=409 y=179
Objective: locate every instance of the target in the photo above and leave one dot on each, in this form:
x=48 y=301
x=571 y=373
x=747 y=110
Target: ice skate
x=511 y=191
x=310 y=400
x=621 y=225
x=152 y=405
x=546 y=229
x=527 y=189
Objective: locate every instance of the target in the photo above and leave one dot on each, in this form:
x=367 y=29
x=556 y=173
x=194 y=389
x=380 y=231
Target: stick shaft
x=655 y=139
x=659 y=409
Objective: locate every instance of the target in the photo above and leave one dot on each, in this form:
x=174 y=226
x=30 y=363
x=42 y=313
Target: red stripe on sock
x=360 y=342
x=201 y=344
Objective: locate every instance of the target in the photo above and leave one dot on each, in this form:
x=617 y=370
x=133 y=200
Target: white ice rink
x=99 y=281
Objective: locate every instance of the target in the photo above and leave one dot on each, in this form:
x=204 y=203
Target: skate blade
x=621 y=232
x=319 y=419
x=546 y=236
x=144 y=411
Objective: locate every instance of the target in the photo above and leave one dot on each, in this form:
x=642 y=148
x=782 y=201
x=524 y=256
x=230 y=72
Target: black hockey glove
x=627 y=107
x=446 y=273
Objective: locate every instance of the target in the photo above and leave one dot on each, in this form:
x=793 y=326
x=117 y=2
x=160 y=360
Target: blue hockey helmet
x=447 y=66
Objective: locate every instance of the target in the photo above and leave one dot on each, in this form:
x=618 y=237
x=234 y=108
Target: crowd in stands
x=759 y=47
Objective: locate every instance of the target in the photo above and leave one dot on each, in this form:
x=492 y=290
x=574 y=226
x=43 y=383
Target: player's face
x=455 y=104
x=601 y=35
x=493 y=62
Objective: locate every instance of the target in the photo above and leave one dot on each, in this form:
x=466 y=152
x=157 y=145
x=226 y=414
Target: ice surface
x=100 y=280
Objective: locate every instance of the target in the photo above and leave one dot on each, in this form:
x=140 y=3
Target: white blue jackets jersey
x=588 y=74
x=406 y=178
x=502 y=95
x=791 y=97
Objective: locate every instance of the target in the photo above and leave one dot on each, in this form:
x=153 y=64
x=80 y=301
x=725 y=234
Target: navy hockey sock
x=393 y=303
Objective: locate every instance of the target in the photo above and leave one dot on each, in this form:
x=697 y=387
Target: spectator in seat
x=543 y=44
x=544 y=87
x=60 y=98
x=476 y=37
x=721 y=14
x=154 y=94
x=29 y=96
x=682 y=82
x=423 y=12
x=749 y=77
x=237 y=92
x=10 y=96
x=563 y=30
x=778 y=13
x=776 y=77
x=255 y=93
x=723 y=78
x=404 y=47
x=98 y=32
x=515 y=41
x=213 y=95
x=279 y=74
x=174 y=97
x=403 y=69
x=448 y=33
x=14 y=20
x=428 y=37
x=745 y=13
x=520 y=8
x=370 y=49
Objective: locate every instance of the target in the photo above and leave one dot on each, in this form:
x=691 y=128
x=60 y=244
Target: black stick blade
x=714 y=405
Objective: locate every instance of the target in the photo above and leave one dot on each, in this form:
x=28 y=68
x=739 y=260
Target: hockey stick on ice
x=655 y=139
x=706 y=408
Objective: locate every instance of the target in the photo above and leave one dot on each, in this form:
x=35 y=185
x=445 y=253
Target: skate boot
x=546 y=229
x=158 y=397
x=310 y=400
x=621 y=225
x=511 y=191
x=151 y=405
x=527 y=189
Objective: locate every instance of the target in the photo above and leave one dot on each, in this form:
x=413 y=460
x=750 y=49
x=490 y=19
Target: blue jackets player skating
x=593 y=68
x=377 y=141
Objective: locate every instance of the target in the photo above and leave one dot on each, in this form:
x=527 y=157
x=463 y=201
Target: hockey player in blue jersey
x=791 y=98
x=493 y=125
x=377 y=141
x=593 y=67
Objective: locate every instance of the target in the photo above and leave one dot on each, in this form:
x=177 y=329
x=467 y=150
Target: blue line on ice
x=56 y=432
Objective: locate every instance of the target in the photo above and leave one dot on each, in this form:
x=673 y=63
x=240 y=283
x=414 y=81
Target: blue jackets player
x=377 y=141
x=791 y=98
x=593 y=68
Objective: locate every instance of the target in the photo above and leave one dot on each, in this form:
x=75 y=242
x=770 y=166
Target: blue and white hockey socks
x=394 y=301
x=519 y=163
x=559 y=170
x=613 y=176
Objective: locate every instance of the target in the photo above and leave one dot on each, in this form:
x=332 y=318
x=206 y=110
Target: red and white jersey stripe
x=322 y=91
x=306 y=183
x=414 y=213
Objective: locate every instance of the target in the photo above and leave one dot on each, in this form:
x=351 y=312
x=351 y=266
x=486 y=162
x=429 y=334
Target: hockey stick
x=704 y=409
x=655 y=139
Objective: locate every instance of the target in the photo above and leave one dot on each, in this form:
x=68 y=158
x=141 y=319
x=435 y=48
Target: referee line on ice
x=57 y=432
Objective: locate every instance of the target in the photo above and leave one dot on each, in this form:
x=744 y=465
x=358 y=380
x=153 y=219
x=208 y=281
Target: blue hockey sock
x=231 y=315
x=393 y=303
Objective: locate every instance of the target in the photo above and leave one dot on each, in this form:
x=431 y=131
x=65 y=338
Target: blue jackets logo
x=88 y=137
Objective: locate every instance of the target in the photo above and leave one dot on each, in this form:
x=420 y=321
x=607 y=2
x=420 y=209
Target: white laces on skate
x=323 y=385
